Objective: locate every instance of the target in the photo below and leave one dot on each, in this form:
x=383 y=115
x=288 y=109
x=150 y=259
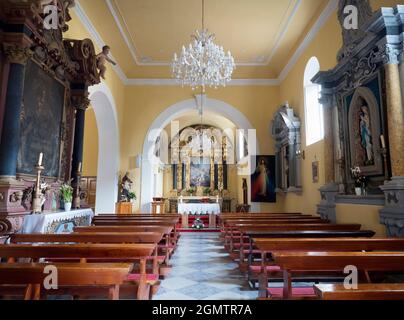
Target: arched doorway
x=171 y=113
x=104 y=107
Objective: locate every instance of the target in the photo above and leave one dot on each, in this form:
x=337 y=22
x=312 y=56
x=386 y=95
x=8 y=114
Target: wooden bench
x=107 y=237
x=95 y=253
x=31 y=277
x=365 y=291
x=333 y=261
x=269 y=246
x=234 y=242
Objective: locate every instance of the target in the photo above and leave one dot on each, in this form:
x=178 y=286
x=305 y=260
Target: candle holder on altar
x=77 y=199
x=37 y=199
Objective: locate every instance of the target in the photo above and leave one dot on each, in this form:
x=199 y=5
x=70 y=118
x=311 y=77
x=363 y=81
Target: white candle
x=383 y=142
x=79 y=170
x=40 y=159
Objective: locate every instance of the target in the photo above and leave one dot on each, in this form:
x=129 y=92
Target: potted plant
x=132 y=196
x=191 y=191
x=206 y=192
x=66 y=194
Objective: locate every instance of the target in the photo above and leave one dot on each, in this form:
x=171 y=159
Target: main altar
x=200 y=156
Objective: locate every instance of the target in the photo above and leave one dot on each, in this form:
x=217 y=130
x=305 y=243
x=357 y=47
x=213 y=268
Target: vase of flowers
x=198 y=224
x=191 y=191
x=206 y=192
x=360 y=181
x=66 y=194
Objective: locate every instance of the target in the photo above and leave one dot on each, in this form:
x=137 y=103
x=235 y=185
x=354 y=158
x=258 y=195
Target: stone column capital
x=389 y=53
x=16 y=53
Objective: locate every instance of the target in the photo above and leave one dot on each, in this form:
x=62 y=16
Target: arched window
x=313 y=109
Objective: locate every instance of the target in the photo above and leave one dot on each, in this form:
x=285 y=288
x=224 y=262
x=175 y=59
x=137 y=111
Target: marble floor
x=203 y=270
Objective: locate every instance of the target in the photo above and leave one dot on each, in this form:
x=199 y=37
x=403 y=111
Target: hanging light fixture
x=203 y=63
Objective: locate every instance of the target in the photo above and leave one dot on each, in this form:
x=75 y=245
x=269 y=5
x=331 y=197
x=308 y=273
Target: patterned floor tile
x=202 y=269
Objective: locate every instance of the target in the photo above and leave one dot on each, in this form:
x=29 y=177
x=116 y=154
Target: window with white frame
x=314 y=123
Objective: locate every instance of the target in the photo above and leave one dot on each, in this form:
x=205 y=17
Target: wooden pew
x=95 y=253
x=168 y=244
x=334 y=261
x=31 y=277
x=233 y=242
x=161 y=268
x=268 y=246
x=365 y=291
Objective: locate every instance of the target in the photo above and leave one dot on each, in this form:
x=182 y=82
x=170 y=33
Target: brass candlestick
x=77 y=200
x=383 y=151
x=37 y=199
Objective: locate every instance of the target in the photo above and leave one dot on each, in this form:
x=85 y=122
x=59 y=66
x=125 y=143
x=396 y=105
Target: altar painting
x=41 y=122
x=263 y=180
x=200 y=175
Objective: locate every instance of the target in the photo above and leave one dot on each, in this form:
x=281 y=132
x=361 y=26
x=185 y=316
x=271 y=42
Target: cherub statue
x=102 y=58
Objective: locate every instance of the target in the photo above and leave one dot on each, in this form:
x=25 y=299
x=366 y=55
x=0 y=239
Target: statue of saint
x=126 y=185
x=365 y=133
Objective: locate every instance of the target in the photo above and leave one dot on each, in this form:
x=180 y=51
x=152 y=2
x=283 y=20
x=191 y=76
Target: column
x=225 y=184
x=81 y=104
x=395 y=119
x=9 y=145
x=175 y=176
x=392 y=215
x=327 y=207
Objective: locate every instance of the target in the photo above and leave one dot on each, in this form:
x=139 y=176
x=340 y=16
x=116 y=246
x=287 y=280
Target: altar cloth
x=57 y=222
x=199 y=208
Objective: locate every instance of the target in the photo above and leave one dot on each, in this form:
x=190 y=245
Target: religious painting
x=315 y=171
x=365 y=126
x=263 y=182
x=65 y=227
x=41 y=122
x=200 y=172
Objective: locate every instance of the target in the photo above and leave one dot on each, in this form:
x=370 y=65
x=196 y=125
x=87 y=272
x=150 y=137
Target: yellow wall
x=138 y=106
x=90 y=151
x=325 y=46
x=145 y=103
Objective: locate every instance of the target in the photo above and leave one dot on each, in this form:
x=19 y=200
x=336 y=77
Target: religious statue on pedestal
x=126 y=185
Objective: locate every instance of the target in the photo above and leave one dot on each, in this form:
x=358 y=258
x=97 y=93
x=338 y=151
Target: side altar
x=44 y=80
x=57 y=222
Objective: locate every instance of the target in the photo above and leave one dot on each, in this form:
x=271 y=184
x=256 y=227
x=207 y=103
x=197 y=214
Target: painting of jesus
x=263 y=180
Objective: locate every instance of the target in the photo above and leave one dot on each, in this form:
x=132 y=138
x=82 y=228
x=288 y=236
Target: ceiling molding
x=283 y=32
x=323 y=18
x=132 y=48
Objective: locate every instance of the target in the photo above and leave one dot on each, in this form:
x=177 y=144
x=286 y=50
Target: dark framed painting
x=200 y=172
x=41 y=122
x=263 y=181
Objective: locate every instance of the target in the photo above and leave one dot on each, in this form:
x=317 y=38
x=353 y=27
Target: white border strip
x=173 y=82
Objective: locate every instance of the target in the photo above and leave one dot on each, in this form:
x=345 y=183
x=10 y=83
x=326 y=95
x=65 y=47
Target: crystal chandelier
x=203 y=63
